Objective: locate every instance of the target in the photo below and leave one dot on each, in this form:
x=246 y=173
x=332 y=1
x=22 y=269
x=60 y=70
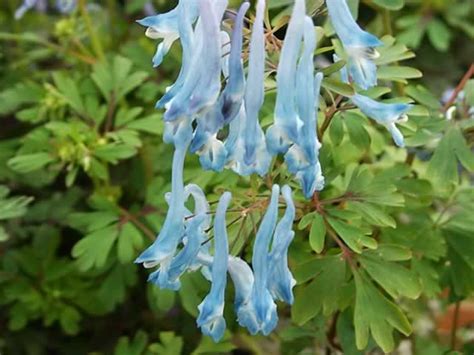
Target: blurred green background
x=82 y=163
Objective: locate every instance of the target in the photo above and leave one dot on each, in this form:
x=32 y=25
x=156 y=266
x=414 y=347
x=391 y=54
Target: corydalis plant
x=213 y=109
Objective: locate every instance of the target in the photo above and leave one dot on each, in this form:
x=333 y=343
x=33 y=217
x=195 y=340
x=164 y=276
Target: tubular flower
x=385 y=114
x=280 y=279
x=302 y=157
x=287 y=122
x=258 y=313
x=201 y=83
x=358 y=44
x=255 y=154
x=167 y=276
x=212 y=152
x=164 y=247
x=165 y=26
x=211 y=319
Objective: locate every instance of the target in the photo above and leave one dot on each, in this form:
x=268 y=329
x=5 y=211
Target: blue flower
x=255 y=154
x=235 y=147
x=287 y=122
x=212 y=152
x=201 y=84
x=24 y=7
x=166 y=26
x=169 y=272
x=302 y=158
x=65 y=6
x=232 y=97
x=358 y=44
x=172 y=232
x=187 y=38
x=385 y=114
x=258 y=313
x=280 y=279
x=211 y=319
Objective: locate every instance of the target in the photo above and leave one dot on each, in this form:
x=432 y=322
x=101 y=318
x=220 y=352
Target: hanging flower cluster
x=212 y=110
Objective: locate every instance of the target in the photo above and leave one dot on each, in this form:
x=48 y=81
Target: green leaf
x=113 y=152
x=152 y=124
x=91 y=221
x=30 y=162
x=391 y=252
x=398 y=73
x=171 y=344
x=306 y=220
x=439 y=34
x=392 y=52
x=373 y=214
x=134 y=347
x=356 y=130
x=423 y=96
x=69 y=319
x=443 y=167
x=329 y=277
x=160 y=300
x=317 y=234
x=130 y=241
x=353 y=236
x=13 y=207
x=207 y=346
x=21 y=93
x=375 y=313
x=338 y=87
x=395 y=279
x=115 y=79
x=69 y=91
x=463 y=153
x=336 y=130
x=469 y=92
x=92 y=250
x=390 y=4
x=113 y=289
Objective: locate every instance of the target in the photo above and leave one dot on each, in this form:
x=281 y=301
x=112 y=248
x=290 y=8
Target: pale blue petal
x=259 y=313
x=285 y=129
x=308 y=95
x=24 y=7
x=213 y=155
x=211 y=319
x=186 y=35
x=254 y=93
x=172 y=231
x=363 y=71
x=347 y=28
x=382 y=113
x=65 y=6
x=396 y=135
x=231 y=99
x=295 y=159
x=280 y=280
x=311 y=179
x=208 y=87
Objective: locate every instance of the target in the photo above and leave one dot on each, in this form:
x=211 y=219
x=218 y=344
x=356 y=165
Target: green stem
x=32 y=38
x=96 y=43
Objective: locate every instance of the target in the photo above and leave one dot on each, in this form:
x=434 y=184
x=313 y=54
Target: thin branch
x=329 y=116
x=454 y=326
x=127 y=216
x=459 y=88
